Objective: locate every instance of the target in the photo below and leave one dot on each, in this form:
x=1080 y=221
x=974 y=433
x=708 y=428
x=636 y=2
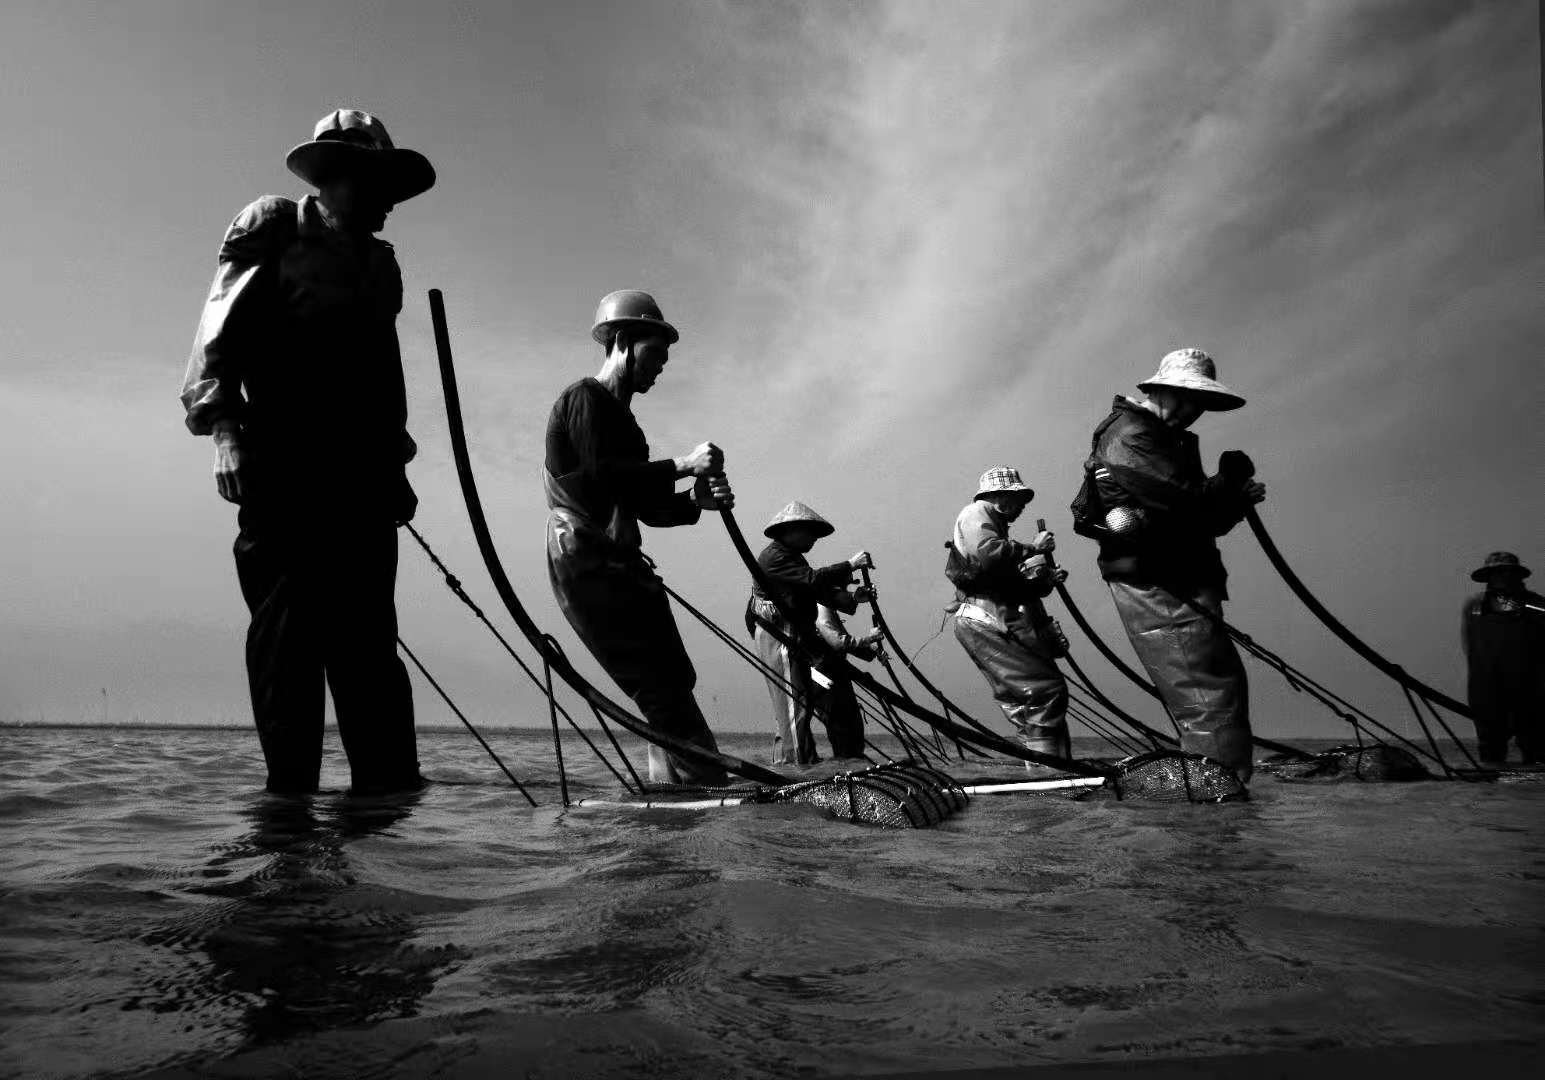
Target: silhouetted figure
x=1503 y=633
x=600 y=483
x=297 y=374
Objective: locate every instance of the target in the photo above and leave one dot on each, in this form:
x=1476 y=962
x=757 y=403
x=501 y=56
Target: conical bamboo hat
x=797 y=513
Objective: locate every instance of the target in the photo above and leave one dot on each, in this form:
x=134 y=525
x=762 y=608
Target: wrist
x=226 y=432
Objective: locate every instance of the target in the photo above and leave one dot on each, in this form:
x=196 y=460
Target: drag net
x=898 y=795
x=1171 y=776
x=1377 y=763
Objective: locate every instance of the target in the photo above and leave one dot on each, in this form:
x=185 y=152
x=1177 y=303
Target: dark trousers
x=840 y=714
x=1506 y=709
x=1025 y=681
x=321 y=595
x=1193 y=664
x=624 y=618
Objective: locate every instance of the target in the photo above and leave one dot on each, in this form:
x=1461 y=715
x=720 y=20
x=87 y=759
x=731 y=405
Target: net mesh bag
x=1171 y=776
x=1375 y=763
x=898 y=795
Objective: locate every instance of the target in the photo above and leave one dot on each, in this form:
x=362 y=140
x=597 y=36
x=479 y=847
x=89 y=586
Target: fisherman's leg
x=1529 y=727
x=1487 y=710
x=1027 y=686
x=844 y=723
x=284 y=664
x=806 y=702
x=776 y=657
x=371 y=692
x=1195 y=668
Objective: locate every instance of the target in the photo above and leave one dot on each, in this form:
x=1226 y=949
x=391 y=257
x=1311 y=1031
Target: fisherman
x=1156 y=515
x=1503 y=633
x=297 y=375
x=1000 y=619
x=837 y=706
x=782 y=643
x=600 y=483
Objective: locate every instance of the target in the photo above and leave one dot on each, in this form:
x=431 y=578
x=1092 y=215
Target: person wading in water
x=1503 y=634
x=600 y=483
x=297 y=374
x=999 y=618
x=801 y=590
x=1156 y=515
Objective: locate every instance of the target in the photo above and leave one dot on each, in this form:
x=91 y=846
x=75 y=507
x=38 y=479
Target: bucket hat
x=1193 y=371
x=1002 y=479
x=797 y=513
x=1498 y=560
x=630 y=306
x=352 y=142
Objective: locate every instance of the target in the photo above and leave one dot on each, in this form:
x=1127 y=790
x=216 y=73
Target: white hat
x=797 y=513
x=1193 y=371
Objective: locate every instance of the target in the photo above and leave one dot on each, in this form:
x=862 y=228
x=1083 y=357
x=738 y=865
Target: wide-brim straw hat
x=1498 y=560
x=349 y=142
x=1002 y=480
x=1193 y=371
x=797 y=513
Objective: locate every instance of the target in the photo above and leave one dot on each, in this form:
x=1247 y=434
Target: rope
x=1337 y=627
x=403 y=645
x=560 y=664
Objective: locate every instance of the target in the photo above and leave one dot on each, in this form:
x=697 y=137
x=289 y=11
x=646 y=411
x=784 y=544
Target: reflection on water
x=197 y=922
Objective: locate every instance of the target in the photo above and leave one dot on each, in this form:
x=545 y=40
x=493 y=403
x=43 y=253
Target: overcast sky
x=903 y=242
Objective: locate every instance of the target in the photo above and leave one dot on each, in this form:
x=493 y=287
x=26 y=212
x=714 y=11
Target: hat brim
x=821 y=528
x=598 y=331
x=1211 y=394
x=402 y=173
x=1485 y=572
x=1028 y=493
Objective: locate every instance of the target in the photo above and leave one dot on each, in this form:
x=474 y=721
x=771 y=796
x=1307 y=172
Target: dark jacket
x=1138 y=461
x=800 y=586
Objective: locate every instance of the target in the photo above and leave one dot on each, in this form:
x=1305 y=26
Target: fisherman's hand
x=1043 y=543
x=713 y=492
x=404 y=501
x=1235 y=467
x=864 y=594
x=705 y=460
x=873 y=638
x=1254 y=492
x=233 y=468
x=862 y=561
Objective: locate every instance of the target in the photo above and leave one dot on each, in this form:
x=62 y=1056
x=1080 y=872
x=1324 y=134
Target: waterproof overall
x=1504 y=644
x=1003 y=627
x=599 y=484
x=1167 y=578
x=298 y=345
x=794 y=697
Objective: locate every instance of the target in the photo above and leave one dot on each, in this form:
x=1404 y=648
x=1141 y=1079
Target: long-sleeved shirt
x=1141 y=462
x=297 y=344
x=828 y=623
x=981 y=538
x=800 y=586
x=599 y=471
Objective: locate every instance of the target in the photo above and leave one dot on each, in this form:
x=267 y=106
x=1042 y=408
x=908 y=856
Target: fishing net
x=1171 y=776
x=898 y=795
x=1376 y=763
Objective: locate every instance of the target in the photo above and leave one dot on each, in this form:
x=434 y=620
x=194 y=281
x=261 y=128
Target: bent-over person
x=1157 y=515
x=297 y=375
x=600 y=484
x=801 y=588
x=1000 y=620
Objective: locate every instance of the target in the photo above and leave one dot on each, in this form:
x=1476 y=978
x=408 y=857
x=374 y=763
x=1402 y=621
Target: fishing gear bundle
x=1370 y=762
x=902 y=794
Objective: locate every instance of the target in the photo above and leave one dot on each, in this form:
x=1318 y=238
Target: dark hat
x=797 y=513
x=1498 y=560
x=354 y=143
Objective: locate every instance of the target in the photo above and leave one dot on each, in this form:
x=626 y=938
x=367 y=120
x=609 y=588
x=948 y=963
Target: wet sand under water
x=164 y=917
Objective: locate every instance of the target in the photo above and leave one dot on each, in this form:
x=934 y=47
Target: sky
x=903 y=242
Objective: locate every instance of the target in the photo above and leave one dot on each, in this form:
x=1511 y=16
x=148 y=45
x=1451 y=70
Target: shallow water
x=160 y=914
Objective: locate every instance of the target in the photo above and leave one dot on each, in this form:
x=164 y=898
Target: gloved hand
x=1235 y=467
x=403 y=502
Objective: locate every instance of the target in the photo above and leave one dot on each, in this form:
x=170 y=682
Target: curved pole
x=1337 y=627
x=1146 y=686
x=895 y=700
x=922 y=680
x=550 y=654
